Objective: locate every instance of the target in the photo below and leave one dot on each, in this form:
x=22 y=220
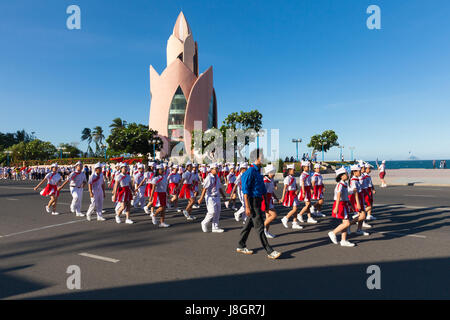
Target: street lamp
x=154 y=141
x=323 y=143
x=340 y=154
x=351 y=149
x=66 y=153
x=61 y=151
x=297 y=141
x=7 y=157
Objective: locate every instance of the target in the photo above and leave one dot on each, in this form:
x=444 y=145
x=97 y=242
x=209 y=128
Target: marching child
x=195 y=183
x=357 y=199
x=237 y=189
x=53 y=178
x=96 y=187
x=318 y=190
x=77 y=181
x=230 y=181
x=211 y=189
x=173 y=179
x=158 y=196
x=267 y=204
x=370 y=191
x=305 y=192
x=187 y=191
x=123 y=193
x=289 y=198
x=148 y=176
x=138 y=178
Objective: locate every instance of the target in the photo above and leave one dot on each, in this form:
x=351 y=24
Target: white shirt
x=317 y=178
x=159 y=182
x=355 y=185
x=305 y=179
x=96 y=181
x=77 y=179
x=341 y=187
x=270 y=186
x=289 y=181
x=174 y=178
x=187 y=176
x=124 y=180
x=53 y=178
x=212 y=185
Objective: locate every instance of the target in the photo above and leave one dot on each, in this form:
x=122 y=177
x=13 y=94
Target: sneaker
x=361 y=233
x=366 y=225
x=346 y=243
x=146 y=210
x=332 y=237
x=72 y=209
x=55 y=213
x=274 y=255
x=237 y=216
x=226 y=203
x=195 y=206
x=186 y=214
x=371 y=218
x=218 y=230
x=100 y=218
x=88 y=217
x=284 y=221
x=118 y=219
x=300 y=218
x=164 y=225
x=178 y=210
x=355 y=215
x=244 y=251
x=320 y=214
x=269 y=235
x=204 y=227
x=312 y=209
x=103 y=211
x=79 y=214
x=47 y=209
x=295 y=225
x=129 y=221
x=154 y=221
x=311 y=220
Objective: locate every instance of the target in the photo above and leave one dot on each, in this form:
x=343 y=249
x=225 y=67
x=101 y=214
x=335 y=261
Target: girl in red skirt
x=53 y=179
x=230 y=181
x=187 y=191
x=173 y=179
x=357 y=198
x=267 y=205
x=289 y=198
x=158 y=196
x=123 y=193
x=148 y=176
x=341 y=209
x=305 y=192
x=318 y=190
x=370 y=191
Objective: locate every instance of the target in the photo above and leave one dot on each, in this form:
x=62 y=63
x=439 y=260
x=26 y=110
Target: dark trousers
x=255 y=221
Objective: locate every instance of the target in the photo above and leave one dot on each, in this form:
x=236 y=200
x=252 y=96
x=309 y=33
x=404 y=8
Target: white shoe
x=300 y=218
x=164 y=225
x=72 y=209
x=320 y=214
x=312 y=209
x=204 y=227
x=332 y=237
x=154 y=220
x=129 y=221
x=118 y=219
x=218 y=230
x=311 y=220
x=269 y=235
x=190 y=218
x=284 y=221
x=361 y=233
x=79 y=214
x=100 y=218
x=146 y=210
x=355 y=215
x=186 y=214
x=55 y=213
x=371 y=218
x=178 y=210
x=296 y=226
x=366 y=225
x=47 y=209
x=237 y=216
x=88 y=217
x=347 y=243
x=103 y=211
x=226 y=203
x=195 y=206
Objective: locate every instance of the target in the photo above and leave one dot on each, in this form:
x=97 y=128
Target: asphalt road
x=410 y=242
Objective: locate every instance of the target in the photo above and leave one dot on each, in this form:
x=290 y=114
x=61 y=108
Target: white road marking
x=419 y=195
x=42 y=228
x=93 y=256
x=402 y=234
x=11 y=199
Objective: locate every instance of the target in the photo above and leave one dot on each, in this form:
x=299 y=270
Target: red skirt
x=203 y=175
x=343 y=210
x=306 y=196
x=148 y=190
x=267 y=202
x=290 y=199
x=124 y=194
x=111 y=185
x=353 y=202
x=172 y=188
x=186 y=192
x=366 y=196
x=382 y=174
x=159 y=199
x=230 y=187
x=50 y=190
x=317 y=192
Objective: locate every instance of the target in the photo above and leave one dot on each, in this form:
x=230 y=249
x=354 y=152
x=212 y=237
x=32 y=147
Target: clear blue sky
x=307 y=66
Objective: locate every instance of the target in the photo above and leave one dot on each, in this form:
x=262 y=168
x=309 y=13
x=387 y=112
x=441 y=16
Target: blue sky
x=308 y=66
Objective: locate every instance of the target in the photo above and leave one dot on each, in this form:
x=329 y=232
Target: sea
x=411 y=164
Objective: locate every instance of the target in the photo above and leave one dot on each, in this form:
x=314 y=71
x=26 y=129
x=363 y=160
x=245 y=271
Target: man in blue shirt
x=254 y=190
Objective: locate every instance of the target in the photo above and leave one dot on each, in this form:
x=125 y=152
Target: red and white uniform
x=77 y=179
x=382 y=171
x=187 y=191
x=160 y=193
x=138 y=177
x=203 y=172
x=148 y=176
x=369 y=187
x=231 y=179
x=344 y=209
x=51 y=189
x=270 y=188
x=173 y=180
x=212 y=200
x=115 y=174
x=195 y=180
x=96 y=181
x=290 y=198
x=356 y=191
x=123 y=193
x=305 y=187
x=318 y=186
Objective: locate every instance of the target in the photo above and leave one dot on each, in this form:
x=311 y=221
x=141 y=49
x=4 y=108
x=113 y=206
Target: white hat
x=213 y=165
x=340 y=171
x=269 y=169
x=305 y=163
x=151 y=163
x=355 y=167
x=97 y=165
x=243 y=165
x=367 y=165
x=123 y=165
x=188 y=163
x=79 y=163
x=290 y=166
x=384 y=161
x=54 y=165
x=195 y=165
x=140 y=166
x=174 y=166
x=317 y=166
x=159 y=166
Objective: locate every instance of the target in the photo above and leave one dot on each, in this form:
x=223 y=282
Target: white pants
x=213 y=214
x=241 y=210
x=96 y=204
x=77 y=197
x=139 y=199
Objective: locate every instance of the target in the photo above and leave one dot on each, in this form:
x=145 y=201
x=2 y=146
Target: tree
x=86 y=135
x=98 y=137
x=73 y=151
x=118 y=123
x=33 y=150
x=328 y=139
x=134 y=139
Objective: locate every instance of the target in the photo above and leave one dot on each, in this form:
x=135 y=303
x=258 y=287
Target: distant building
x=179 y=95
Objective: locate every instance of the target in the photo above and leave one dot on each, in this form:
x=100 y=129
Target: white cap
x=151 y=163
x=79 y=163
x=123 y=165
x=195 y=165
x=384 y=161
x=97 y=165
x=317 y=166
x=140 y=166
x=340 y=171
x=305 y=163
x=290 y=166
x=367 y=165
x=355 y=167
x=159 y=166
x=213 y=165
x=243 y=166
x=174 y=166
x=269 y=169
x=188 y=163
x=54 y=165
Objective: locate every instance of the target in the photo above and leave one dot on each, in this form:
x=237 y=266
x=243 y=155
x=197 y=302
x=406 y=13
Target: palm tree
x=98 y=137
x=86 y=135
x=118 y=123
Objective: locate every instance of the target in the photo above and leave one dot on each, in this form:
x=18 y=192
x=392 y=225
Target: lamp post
x=61 y=151
x=154 y=141
x=297 y=141
x=66 y=153
x=351 y=150
x=340 y=153
x=7 y=157
x=323 y=143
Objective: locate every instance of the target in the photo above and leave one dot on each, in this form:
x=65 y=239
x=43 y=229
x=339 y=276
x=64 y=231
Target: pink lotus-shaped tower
x=180 y=96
